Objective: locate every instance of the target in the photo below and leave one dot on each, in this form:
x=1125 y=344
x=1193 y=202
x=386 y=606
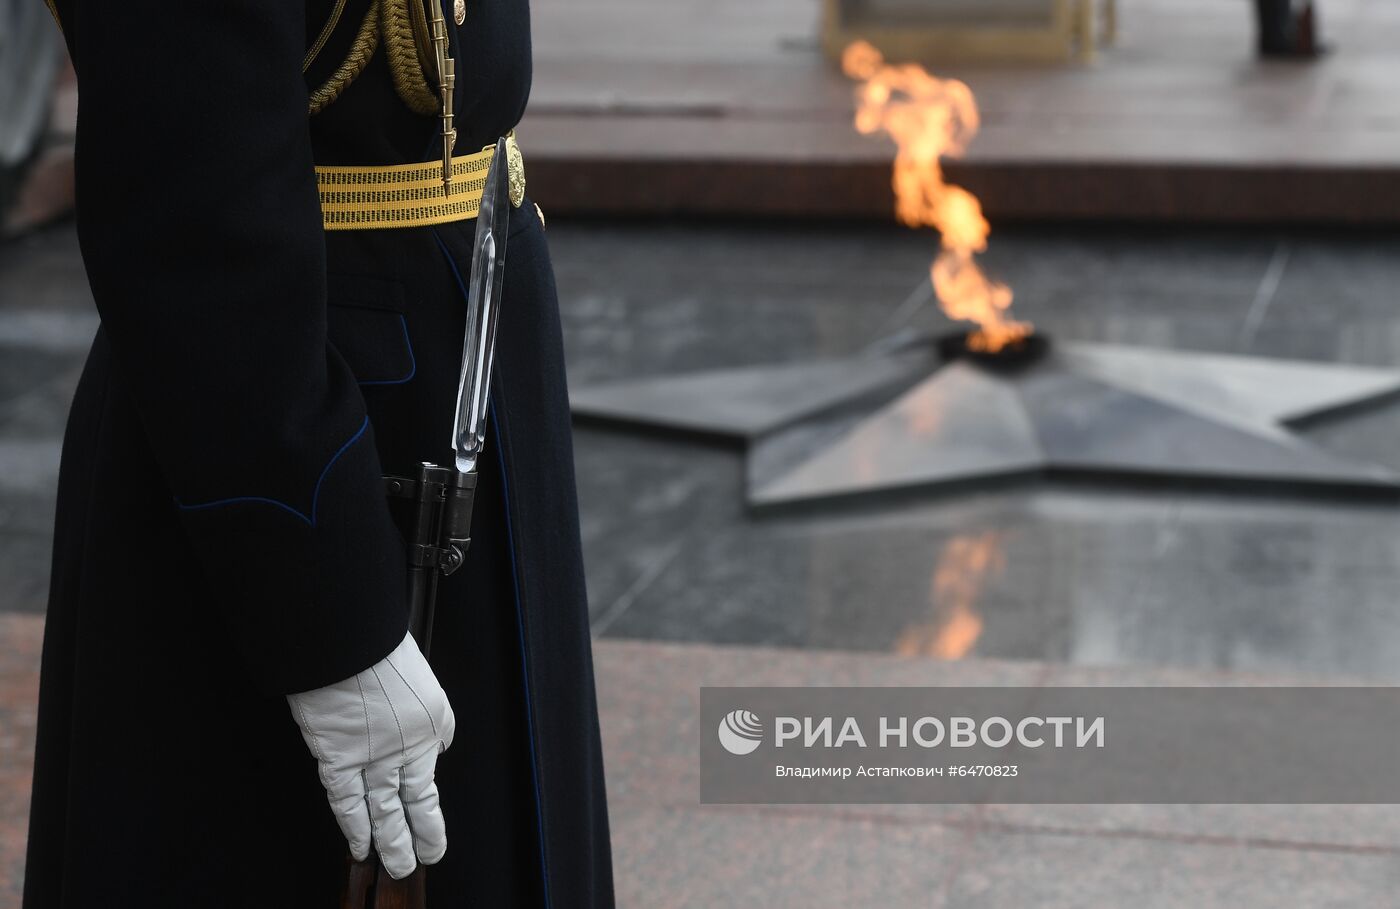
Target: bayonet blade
x=483 y=307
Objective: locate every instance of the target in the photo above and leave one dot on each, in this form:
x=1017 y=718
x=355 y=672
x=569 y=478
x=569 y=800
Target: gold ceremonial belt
x=412 y=195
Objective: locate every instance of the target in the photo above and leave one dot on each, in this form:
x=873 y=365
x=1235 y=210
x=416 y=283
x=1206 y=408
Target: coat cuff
x=310 y=598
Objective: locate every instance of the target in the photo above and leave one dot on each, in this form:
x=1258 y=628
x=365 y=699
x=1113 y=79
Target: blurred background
x=745 y=316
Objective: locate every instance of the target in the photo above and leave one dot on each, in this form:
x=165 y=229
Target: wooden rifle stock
x=369 y=886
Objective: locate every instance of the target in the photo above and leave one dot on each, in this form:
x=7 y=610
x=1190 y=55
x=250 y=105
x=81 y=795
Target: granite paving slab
x=729 y=108
x=987 y=855
x=671 y=851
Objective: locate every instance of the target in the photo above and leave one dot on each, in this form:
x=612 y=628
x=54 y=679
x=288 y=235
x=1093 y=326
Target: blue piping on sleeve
x=412 y=361
x=309 y=519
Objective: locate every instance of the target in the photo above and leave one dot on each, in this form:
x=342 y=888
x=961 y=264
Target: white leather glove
x=377 y=736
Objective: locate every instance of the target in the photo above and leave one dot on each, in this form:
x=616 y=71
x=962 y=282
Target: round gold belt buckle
x=515 y=171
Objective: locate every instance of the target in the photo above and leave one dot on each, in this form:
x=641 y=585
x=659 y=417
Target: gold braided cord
x=404 y=63
x=361 y=49
x=315 y=49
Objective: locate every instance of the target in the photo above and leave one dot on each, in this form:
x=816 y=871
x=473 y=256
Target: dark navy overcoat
x=222 y=535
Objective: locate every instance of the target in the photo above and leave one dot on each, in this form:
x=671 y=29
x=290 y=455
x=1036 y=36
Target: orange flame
x=966 y=565
x=929 y=118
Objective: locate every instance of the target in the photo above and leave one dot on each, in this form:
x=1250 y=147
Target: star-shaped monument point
x=906 y=417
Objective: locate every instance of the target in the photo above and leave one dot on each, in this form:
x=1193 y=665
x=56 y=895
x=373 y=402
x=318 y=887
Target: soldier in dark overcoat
x=223 y=539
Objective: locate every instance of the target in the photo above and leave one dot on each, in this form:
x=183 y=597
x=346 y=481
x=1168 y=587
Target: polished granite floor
x=1084 y=574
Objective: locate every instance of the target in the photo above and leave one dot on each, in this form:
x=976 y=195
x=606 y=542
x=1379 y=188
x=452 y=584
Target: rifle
x=439 y=499
x=369 y=886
